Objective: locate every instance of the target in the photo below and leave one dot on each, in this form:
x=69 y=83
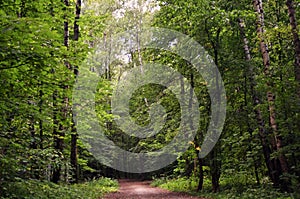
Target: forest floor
x=130 y=189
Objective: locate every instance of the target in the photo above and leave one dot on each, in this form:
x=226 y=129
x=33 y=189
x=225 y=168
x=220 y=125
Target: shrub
x=46 y=190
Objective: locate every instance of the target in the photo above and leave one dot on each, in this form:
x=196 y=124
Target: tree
x=74 y=135
x=277 y=139
x=293 y=23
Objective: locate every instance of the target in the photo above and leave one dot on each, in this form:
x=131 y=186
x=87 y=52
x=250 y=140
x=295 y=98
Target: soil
x=130 y=189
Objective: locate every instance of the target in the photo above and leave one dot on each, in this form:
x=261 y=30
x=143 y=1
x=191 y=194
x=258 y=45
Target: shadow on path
x=132 y=189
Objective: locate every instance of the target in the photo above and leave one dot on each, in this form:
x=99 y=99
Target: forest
x=193 y=96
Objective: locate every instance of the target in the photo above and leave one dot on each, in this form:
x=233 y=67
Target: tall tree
x=293 y=23
x=256 y=101
x=74 y=135
x=62 y=113
x=276 y=138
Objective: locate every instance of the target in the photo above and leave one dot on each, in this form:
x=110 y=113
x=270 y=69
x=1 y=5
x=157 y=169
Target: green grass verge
x=46 y=190
x=227 y=191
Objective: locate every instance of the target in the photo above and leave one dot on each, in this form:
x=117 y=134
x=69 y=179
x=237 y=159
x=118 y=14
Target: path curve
x=130 y=189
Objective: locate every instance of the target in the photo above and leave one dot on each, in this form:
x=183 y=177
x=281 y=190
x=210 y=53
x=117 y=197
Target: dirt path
x=142 y=190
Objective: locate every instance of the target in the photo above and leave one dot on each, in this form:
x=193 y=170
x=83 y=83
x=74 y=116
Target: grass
x=228 y=190
x=34 y=189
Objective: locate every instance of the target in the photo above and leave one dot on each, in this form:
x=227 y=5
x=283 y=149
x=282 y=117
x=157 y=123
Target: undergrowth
x=238 y=190
x=46 y=190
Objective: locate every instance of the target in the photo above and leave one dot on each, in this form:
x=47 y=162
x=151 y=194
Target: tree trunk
x=201 y=175
x=74 y=152
x=77 y=17
x=215 y=167
x=293 y=23
x=74 y=135
x=56 y=171
x=276 y=139
x=256 y=101
x=59 y=135
x=66 y=26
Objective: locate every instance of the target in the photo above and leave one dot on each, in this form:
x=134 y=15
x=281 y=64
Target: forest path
x=130 y=189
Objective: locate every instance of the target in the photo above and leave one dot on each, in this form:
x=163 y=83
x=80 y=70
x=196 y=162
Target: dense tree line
x=40 y=52
x=255 y=45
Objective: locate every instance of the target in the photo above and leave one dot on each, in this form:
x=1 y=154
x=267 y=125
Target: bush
x=227 y=191
x=46 y=190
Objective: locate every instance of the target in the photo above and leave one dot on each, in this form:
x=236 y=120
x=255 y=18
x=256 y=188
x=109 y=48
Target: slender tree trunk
x=250 y=129
x=215 y=169
x=55 y=175
x=256 y=101
x=189 y=165
x=277 y=139
x=215 y=166
x=56 y=170
x=77 y=17
x=74 y=151
x=60 y=134
x=293 y=23
x=74 y=135
x=66 y=26
x=201 y=174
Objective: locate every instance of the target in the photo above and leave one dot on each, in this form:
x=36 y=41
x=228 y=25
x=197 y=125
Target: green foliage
x=233 y=186
x=35 y=84
x=214 y=24
x=44 y=190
